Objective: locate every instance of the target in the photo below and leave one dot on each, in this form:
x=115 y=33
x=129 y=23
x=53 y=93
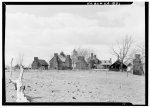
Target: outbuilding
x=39 y=64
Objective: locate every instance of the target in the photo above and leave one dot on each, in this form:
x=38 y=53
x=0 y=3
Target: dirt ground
x=79 y=86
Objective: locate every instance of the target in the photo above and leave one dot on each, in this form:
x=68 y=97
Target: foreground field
x=79 y=86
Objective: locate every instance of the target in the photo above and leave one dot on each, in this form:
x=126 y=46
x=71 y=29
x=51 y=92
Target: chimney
x=91 y=55
x=110 y=60
x=55 y=54
x=137 y=56
x=35 y=58
x=118 y=57
x=68 y=56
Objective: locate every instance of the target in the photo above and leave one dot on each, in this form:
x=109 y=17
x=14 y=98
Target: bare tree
x=138 y=49
x=86 y=52
x=19 y=83
x=122 y=48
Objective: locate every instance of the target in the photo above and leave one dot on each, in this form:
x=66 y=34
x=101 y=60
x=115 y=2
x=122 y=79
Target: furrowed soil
x=79 y=86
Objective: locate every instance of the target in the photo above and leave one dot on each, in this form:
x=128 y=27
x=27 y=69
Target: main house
x=60 y=62
x=39 y=64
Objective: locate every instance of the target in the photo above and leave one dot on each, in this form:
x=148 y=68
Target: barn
x=39 y=64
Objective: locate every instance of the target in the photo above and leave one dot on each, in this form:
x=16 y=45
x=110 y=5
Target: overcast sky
x=40 y=31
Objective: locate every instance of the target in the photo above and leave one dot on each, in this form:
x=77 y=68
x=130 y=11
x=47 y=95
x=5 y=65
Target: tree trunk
x=19 y=85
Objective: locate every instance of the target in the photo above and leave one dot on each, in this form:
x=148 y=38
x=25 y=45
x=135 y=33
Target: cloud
x=43 y=35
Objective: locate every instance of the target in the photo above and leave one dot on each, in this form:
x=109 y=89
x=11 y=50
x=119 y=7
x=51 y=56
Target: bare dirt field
x=79 y=86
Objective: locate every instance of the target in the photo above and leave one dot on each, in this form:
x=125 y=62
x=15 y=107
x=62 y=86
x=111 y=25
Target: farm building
x=116 y=66
x=106 y=63
x=93 y=61
x=137 y=65
x=81 y=63
x=39 y=64
x=60 y=62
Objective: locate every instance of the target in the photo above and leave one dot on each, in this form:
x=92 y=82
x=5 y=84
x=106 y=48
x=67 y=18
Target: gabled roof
x=118 y=62
x=42 y=62
x=81 y=59
x=62 y=58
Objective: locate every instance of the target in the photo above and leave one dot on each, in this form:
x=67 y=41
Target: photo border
x=71 y=103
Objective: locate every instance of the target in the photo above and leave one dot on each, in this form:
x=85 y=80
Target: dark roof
x=130 y=64
x=118 y=62
x=42 y=62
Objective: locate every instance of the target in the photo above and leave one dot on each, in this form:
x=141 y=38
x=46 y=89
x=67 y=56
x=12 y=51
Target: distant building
x=60 y=62
x=93 y=61
x=106 y=63
x=116 y=66
x=39 y=64
x=81 y=63
x=137 y=65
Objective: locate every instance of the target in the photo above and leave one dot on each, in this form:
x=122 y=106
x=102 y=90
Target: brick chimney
x=35 y=58
x=110 y=60
x=55 y=54
x=68 y=56
x=91 y=55
x=118 y=57
x=137 y=56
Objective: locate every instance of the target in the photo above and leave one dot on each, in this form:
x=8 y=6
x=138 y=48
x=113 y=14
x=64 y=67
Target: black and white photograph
x=83 y=52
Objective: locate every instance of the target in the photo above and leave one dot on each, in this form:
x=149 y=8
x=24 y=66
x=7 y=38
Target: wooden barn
x=116 y=66
x=60 y=62
x=81 y=63
x=39 y=64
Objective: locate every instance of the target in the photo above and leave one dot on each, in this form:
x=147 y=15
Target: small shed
x=116 y=66
x=39 y=64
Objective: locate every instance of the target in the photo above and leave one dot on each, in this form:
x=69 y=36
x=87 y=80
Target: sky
x=40 y=31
